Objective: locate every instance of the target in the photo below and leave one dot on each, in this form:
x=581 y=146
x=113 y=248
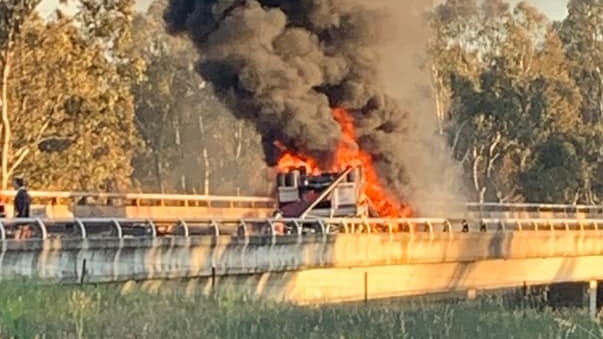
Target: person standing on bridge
x=22 y=199
x=22 y=205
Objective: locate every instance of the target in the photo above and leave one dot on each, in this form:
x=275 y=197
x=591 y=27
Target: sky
x=554 y=9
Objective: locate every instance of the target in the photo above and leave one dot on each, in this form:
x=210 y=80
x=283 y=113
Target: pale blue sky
x=554 y=9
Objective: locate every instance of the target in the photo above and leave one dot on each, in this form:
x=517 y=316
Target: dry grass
x=33 y=311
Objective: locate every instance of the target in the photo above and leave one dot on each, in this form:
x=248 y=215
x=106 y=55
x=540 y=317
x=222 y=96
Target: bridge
x=310 y=260
x=100 y=237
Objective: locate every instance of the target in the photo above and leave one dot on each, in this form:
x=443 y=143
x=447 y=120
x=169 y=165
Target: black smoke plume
x=284 y=64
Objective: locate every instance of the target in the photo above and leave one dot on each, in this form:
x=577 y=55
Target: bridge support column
x=592 y=299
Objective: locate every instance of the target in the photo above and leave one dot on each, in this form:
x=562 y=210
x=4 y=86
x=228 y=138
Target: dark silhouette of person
x=22 y=199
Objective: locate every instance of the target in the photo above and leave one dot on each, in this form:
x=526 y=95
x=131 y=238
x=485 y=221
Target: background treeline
x=106 y=100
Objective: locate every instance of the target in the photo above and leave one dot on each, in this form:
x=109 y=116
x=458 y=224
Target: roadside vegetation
x=111 y=311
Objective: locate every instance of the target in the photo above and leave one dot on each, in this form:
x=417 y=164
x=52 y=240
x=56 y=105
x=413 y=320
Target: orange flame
x=347 y=154
x=290 y=159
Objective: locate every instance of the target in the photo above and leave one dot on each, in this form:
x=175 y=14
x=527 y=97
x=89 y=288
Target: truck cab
x=339 y=193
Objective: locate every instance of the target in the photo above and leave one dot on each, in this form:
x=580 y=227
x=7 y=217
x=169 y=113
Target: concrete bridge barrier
x=319 y=267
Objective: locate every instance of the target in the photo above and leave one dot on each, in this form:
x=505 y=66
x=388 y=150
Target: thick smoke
x=284 y=64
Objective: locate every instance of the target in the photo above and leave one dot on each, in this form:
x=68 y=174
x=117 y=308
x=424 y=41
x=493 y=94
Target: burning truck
x=308 y=195
x=328 y=194
x=348 y=187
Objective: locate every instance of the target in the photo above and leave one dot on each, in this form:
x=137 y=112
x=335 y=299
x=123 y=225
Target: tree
x=73 y=109
x=13 y=14
x=582 y=35
x=510 y=95
x=450 y=51
x=193 y=142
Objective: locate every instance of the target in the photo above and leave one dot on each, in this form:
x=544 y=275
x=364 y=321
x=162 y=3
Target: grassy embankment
x=29 y=311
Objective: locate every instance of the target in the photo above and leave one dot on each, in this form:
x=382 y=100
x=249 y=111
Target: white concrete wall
x=322 y=268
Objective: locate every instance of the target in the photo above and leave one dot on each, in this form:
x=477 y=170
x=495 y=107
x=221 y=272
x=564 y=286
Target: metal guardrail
x=497 y=207
x=140 y=199
x=84 y=228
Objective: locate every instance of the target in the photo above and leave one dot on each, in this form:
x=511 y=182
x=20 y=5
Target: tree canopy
x=518 y=117
x=69 y=101
x=106 y=99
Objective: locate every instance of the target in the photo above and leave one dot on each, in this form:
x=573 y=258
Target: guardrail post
x=216 y=229
x=2 y=232
x=153 y=228
x=298 y=228
x=344 y=225
x=118 y=228
x=242 y=226
x=366 y=225
x=430 y=227
x=185 y=227
x=592 y=294
x=82 y=228
x=42 y=228
x=323 y=227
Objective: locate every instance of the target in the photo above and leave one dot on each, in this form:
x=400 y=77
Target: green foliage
x=27 y=310
x=514 y=103
x=194 y=144
x=71 y=108
x=76 y=133
x=13 y=14
x=556 y=164
x=582 y=35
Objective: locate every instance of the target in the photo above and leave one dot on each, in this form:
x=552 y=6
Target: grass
x=33 y=311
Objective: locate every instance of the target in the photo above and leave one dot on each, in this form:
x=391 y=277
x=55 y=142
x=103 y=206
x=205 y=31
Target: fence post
x=83 y=276
x=592 y=294
x=213 y=279
x=365 y=286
